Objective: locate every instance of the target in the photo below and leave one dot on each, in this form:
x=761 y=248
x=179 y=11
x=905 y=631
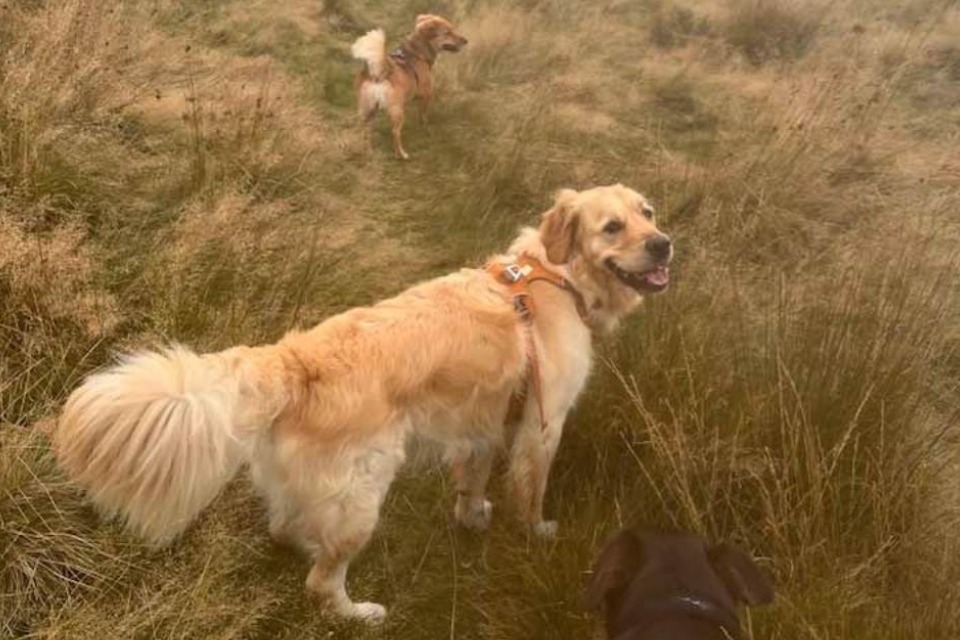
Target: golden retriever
x=389 y=81
x=322 y=416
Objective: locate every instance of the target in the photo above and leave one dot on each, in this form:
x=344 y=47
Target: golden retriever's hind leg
x=267 y=473
x=333 y=544
x=279 y=523
x=471 y=470
x=327 y=579
x=396 y=125
x=336 y=521
x=530 y=459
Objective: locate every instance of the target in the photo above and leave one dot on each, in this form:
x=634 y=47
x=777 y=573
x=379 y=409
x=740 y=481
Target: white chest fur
x=566 y=356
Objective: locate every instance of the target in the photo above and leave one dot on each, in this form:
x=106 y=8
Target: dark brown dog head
x=677 y=586
x=439 y=33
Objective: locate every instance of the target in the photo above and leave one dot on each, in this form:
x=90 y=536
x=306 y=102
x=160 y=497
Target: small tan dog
x=389 y=81
x=322 y=417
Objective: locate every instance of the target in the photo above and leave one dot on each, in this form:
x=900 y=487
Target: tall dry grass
x=191 y=172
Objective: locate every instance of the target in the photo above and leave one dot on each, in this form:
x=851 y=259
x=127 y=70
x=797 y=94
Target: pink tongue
x=659 y=276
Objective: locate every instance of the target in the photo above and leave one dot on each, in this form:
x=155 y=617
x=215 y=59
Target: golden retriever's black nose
x=658 y=246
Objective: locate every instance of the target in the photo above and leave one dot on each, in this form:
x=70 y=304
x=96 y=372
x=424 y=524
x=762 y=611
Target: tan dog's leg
x=396 y=123
x=366 y=114
x=366 y=125
x=425 y=98
x=530 y=459
x=471 y=470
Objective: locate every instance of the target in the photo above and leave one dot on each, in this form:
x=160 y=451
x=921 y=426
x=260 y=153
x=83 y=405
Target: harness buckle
x=513 y=273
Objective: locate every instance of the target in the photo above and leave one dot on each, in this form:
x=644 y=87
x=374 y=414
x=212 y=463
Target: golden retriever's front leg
x=471 y=470
x=530 y=459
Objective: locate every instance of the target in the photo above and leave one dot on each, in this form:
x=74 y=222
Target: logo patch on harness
x=516 y=272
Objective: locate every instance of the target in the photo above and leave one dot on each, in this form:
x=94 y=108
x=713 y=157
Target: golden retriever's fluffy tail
x=154 y=438
x=372 y=49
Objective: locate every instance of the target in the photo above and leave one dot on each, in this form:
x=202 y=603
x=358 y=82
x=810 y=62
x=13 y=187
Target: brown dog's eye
x=612 y=227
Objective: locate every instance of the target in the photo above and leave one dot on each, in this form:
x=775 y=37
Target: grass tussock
x=675 y=26
x=771 y=30
x=171 y=171
x=52 y=552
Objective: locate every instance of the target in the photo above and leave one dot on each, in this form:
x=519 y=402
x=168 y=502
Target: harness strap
x=517 y=277
x=534 y=378
x=402 y=57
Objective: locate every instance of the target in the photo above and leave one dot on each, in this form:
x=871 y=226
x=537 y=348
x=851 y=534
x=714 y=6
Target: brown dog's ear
x=618 y=562
x=424 y=24
x=740 y=573
x=558 y=228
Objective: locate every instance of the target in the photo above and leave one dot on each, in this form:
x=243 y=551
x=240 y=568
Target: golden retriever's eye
x=612 y=227
x=647 y=211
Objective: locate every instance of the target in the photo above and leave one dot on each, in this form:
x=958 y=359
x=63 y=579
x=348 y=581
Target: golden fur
x=322 y=417
x=388 y=83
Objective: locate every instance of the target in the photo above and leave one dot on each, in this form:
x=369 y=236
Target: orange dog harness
x=517 y=277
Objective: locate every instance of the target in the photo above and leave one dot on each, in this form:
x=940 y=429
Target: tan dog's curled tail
x=372 y=49
x=154 y=438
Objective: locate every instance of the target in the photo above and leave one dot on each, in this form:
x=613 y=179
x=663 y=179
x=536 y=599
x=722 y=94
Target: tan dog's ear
x=618 y=563
x=741 y=575
x=558 y=228
x=423 y=20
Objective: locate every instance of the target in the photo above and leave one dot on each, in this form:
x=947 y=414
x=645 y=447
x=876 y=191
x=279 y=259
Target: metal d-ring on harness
x=517 y=277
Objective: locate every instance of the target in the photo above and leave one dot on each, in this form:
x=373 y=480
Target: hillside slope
x=192 y=172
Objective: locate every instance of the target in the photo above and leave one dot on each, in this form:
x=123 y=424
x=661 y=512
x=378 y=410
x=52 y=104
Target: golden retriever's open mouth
x=649 y=281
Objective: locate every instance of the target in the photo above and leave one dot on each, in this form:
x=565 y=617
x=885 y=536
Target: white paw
x=369 y=612
x=547 y=529
x=478 y=519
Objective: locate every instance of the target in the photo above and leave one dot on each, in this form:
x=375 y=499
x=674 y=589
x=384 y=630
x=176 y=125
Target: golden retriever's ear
x=618 y=563
x=740 y=573
x=558 y=228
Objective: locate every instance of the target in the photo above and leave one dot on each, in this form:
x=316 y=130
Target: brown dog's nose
x=658 y=246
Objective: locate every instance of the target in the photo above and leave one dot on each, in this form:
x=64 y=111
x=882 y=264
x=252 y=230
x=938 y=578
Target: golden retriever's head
x=611 y=230
x=439 y=33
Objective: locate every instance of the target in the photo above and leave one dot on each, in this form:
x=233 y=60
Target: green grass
x=191 y=172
